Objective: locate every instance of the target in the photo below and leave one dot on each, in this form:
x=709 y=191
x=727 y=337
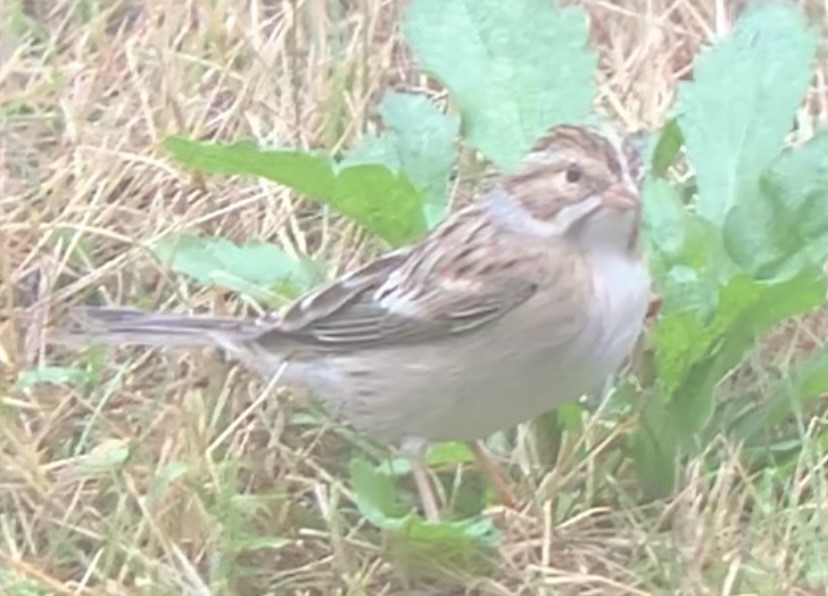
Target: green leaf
x=424 y=138
x=308 y=173
x=693 y=355
x=666 y=149
x=571 y=417
x=742 y=101
x=438 y=454
x=689 y=347
x=770 y=304
x=384 y=202
x=513 y=68
x=685 y=252
x=785 y=227
x=380 y=199
x=54 y=375
x=461 y=544
x=419 y=142
x=710 y=312
x=654 y=448
x=445 y=547
x=414 y=542
x=247 y=268
x=664 y=220
x=376 y=497
x=711 y=315
x=448 y=452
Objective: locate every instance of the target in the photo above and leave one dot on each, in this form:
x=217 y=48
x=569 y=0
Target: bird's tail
x=124 y=326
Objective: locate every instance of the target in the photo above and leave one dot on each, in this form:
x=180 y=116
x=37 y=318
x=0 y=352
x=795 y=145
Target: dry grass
x=154 y=477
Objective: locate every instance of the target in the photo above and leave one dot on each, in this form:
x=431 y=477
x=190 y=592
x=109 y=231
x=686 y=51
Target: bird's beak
x=619 y=196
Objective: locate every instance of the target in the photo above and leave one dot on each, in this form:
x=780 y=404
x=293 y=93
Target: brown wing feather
x=453 y=282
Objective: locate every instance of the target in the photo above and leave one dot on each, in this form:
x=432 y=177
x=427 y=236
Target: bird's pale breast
x=477 y=384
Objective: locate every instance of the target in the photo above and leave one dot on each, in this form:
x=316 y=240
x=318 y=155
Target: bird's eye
x=573 y=174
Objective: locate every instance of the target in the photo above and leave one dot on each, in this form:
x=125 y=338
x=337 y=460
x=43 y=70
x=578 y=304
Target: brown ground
x=87 y=92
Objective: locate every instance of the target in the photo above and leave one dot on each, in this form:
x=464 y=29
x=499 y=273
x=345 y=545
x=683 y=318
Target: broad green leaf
x=376 y=497
x=746 y=307
x=693 y=355
x=664 y=221
x=312 y=174
x=742 y=101
x=394 y=466
x=770 y=304
x=419 y=142
x=383 y=201
x=249 y=268
x=452 y=543
x=513 y=68
x=425 y=143
x=684 y=251
x=785 y=227
x=448 y=452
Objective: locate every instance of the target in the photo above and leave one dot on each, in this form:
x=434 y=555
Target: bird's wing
x=456 y=281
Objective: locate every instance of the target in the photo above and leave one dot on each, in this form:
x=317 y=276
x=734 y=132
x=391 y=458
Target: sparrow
x=527 y=298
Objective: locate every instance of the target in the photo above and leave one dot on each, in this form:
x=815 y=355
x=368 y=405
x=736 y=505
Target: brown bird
x=523 y=300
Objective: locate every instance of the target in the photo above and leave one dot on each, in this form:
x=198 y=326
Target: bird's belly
x=506 y=396
x=468 y=394
x=476 y=386
x=514 y=390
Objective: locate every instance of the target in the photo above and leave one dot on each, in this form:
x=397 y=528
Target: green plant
x=745 y=250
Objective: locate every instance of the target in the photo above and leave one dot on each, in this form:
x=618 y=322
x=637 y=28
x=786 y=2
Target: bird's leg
x=654 y=306
x=493 y=474
x=415 y=450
